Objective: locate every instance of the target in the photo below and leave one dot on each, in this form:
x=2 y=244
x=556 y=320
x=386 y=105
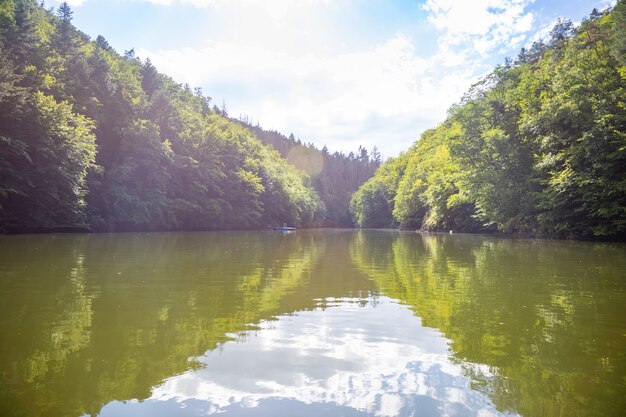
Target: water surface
x=333 y=323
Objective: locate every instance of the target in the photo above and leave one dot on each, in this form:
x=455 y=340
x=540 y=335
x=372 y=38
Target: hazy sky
x=338 y=72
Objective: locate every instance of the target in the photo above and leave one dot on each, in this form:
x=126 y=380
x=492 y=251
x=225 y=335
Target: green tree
x=373 y=204
x=535 y=148
x=45 y=152
x=429 y=195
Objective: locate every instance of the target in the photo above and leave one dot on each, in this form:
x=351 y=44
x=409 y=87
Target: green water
x=312 y=323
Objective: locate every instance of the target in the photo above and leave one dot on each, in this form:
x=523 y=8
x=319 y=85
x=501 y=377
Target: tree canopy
x=536 y=148
x=93 y=140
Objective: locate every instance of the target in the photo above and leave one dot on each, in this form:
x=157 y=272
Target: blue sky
x=338 y=72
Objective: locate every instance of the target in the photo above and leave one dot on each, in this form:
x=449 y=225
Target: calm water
x=312 y=323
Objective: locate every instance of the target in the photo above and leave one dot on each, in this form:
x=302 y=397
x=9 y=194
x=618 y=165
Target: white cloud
x=286 y=69
x=477 y=17
x=481 y=25
x=73 y=3
x=197 y=3
x=605 y=4
x=383 y=95
x=276 y=8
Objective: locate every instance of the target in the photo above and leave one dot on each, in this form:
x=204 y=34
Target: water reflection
x=548 y=317
x=124 y=312
x=312 y=323
x=342 y=360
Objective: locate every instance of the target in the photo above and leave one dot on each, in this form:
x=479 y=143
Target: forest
x=535 y=148
x=93 y=140
x=335 y=176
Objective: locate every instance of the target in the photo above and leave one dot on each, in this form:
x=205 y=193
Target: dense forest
x=94 y=140
x=335 y=176
x=536 y=148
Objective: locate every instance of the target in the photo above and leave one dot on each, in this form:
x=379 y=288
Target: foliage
x=538 y=147
x=45 y=152
x=335 y=176
x=372 y=205
x=93 y=140
x=429 y=195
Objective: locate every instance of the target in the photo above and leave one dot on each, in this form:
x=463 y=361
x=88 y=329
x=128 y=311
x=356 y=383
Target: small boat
x=284 y=229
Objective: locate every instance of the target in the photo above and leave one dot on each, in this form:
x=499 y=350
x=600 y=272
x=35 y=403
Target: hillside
x=536 y=148
x=335 y=176
x=94 y=140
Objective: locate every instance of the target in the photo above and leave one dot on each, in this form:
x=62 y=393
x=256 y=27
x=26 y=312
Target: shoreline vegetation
x=96 y=141
x=537 y=148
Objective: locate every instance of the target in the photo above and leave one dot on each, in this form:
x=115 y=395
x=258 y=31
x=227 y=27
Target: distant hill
x=335 y=176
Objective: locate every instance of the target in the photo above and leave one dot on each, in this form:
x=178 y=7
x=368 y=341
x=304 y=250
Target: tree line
x=335 y=176
x=94 y=140
x=536 y=148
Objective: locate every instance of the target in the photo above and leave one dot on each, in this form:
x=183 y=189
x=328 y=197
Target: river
x=312 y=323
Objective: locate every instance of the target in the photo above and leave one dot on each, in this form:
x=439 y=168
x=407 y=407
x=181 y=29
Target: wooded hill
x=92 y=140
x=536 y=148
x=335 y=176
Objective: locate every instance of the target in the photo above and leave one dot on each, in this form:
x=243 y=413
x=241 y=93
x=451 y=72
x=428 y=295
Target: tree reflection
x=86 y=320
x=546 y=317
x=90 y=319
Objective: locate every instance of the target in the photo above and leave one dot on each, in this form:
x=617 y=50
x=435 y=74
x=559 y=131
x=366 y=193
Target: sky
x=340 y=73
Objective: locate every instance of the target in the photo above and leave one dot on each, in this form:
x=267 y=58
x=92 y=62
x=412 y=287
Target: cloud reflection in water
x=347 y=359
